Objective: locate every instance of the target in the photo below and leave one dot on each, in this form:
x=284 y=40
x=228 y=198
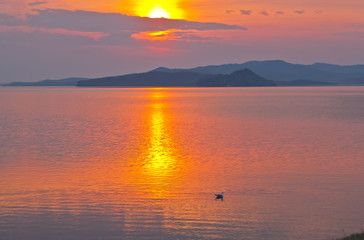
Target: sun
x=158 y=12
x=171 y=9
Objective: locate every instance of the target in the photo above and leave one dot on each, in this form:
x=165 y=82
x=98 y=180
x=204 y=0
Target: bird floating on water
x=220 y=196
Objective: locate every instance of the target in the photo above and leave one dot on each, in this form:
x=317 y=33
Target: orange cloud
x=172 y=35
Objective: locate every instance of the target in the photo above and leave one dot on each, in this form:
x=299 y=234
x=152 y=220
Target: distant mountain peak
x=241 y=78
x=161 y=69
x=280 y=62
x=244 y=71
x=246 y=74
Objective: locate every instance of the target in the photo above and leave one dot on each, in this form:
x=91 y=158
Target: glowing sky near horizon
x=38 y=38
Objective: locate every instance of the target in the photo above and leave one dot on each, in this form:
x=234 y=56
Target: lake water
x=99 y=163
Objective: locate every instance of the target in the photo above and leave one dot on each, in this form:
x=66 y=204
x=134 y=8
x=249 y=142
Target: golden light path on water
x=159 y=158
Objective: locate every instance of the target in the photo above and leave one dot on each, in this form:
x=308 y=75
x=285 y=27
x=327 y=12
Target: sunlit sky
x=88 y=38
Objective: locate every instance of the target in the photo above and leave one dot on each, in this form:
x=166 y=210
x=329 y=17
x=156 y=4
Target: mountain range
x=252 y=73
x=278 y=70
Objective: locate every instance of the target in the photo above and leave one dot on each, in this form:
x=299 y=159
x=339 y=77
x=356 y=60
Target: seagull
x=220 y=196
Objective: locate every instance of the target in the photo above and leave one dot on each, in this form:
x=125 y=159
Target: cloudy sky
x=55 y=39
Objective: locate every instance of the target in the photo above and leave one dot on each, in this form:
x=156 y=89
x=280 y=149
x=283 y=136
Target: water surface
x=102 y=163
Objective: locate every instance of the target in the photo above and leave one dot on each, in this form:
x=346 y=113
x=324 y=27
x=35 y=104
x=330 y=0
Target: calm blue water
x=102 y=163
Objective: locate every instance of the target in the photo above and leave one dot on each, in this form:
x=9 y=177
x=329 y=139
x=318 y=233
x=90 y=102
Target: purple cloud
x=279 y=12
x=265 y=13
x=36 y=3
x=104 y=29
x=230 y=11
x=111 y=22
x=246 y=12
x=300 y=12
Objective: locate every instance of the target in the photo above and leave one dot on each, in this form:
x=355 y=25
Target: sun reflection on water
x=160 y=159
x=160 y=168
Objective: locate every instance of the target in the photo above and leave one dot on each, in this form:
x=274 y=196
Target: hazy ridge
x=268 y=73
